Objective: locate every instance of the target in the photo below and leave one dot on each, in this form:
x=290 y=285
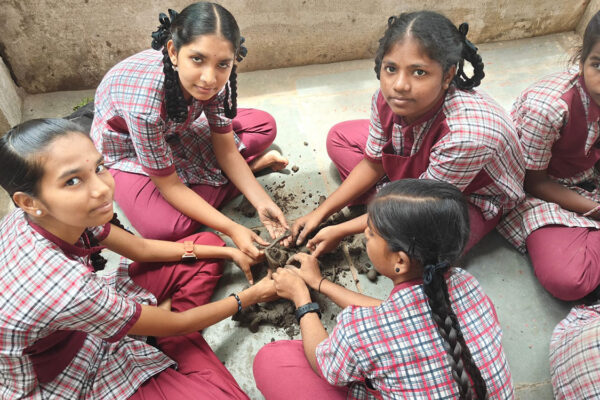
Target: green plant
x=83 y=102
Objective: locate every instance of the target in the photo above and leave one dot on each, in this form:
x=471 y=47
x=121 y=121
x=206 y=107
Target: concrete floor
x=306 y=102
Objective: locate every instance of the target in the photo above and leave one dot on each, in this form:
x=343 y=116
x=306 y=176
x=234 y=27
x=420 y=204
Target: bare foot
x=271 y=159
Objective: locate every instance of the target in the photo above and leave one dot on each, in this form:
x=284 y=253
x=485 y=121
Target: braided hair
x=429 y=221
x=98 y=262
x=440 y=40
x=196 y=20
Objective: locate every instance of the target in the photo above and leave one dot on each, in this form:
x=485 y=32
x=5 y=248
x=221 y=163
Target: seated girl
x=558 y=223
x=435 y=336
x=426 y=122
x=64 y=330
x=167 y=123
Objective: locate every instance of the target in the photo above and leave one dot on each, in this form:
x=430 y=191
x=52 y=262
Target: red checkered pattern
x=47 y=285
x=540 y=114
x=481 y=137
x=132 y=131
x=398 y=347
x=575 y=355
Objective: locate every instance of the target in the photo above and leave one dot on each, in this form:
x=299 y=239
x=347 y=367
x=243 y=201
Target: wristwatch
x=189 y=255
x=307 y=308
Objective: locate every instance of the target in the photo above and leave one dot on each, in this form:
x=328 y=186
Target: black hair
x=591 y=36
x=429 y=221
x=440 y=40
x=20 y=170
x=196 y=20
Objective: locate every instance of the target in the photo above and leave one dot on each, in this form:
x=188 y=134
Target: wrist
x=302 y=297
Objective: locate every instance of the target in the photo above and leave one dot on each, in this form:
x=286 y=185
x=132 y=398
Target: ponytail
x=469 y=53
x=99 y=262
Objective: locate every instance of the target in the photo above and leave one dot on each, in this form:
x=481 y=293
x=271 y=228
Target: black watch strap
x=310 y=307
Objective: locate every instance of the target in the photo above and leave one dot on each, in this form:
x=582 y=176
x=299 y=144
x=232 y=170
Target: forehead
x=73 y=150
x=408 y=51
x=210 y=45
x=595 y=50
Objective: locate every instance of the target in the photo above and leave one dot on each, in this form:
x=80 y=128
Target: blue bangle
x=237 y=298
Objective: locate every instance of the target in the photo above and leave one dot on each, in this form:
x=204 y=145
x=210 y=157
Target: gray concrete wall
x=69 y=44
x=10 y=101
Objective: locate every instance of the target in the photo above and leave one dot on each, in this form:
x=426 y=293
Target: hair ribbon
x=430 y=270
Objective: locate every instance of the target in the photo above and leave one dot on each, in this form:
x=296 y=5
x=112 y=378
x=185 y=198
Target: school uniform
x=465 y=139
x=557 y=123
x=132 y=131
x=396 y=346
x=575 y=355
x=63 y=328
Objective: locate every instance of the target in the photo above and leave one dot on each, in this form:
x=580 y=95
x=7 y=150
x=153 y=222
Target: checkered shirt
x=540 y=114
x=575 y=355
x=44 y=289
x=131 y=128
x=398 y=347
x=481 y=137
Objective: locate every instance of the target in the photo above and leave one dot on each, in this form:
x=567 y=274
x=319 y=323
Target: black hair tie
x=242 y=51
x=391 y=21
x=430 y=270
x=160 y=36
x=464 y=29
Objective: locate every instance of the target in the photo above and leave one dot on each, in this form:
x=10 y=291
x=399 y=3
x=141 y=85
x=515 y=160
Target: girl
x=426 y=122
x=435 y=336
x=557 y=122
x=163 y=121
x=63 y=328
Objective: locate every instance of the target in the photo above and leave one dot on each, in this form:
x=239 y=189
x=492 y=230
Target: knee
x=566 y=280
x=335 y=139
x=268 y=125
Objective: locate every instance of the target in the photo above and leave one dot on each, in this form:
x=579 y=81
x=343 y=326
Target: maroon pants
x=154 y=218
x=566 y=260
x=200 y=374
x=282 y=372
x=346 y=143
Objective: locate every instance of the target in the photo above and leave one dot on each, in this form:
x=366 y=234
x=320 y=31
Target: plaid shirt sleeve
x=377 y=137
x=575 y=356
x=215 y=114
x=539 y=116
x=337 y=358
x=457 y=161
x=150 y=144
x=83 y=301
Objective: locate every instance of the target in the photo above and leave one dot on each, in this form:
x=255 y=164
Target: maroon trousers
x=154 y=218
x=346 y=142
x=200 y=374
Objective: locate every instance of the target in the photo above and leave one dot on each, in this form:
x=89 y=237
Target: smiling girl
x=426 y=122
x=64 y=330
x=168 y=125
x=557 y=119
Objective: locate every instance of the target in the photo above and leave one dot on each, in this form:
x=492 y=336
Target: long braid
x=99 y=262
x=230 y=103
x=175 y=102
x=460 y=358
x=469 y=53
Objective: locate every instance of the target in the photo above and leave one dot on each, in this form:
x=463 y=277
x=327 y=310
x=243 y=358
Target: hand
x=273 y=219
x=290 y=285
x=309 y=269
x=244 y=239
x=305 y=225
x=325 y=241
x=243 y=261
x=264 y=290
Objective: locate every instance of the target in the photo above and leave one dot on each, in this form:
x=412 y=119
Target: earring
x=397 y=270
x=175 y=68
x=38 y=212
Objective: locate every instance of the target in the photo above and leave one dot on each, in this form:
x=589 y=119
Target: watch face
x=188 y=257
